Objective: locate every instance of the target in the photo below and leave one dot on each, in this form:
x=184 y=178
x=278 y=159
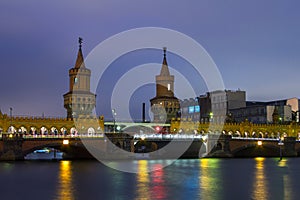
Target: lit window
x=169 y=86
x=75 y=80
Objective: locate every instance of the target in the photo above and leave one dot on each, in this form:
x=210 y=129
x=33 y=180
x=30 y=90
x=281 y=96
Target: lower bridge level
x=125 y=146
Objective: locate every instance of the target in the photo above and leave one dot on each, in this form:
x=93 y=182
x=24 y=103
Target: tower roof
x=164 y=68
x=80 y=60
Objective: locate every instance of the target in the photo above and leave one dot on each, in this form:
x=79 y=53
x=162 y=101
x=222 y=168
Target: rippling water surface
x=257 y=178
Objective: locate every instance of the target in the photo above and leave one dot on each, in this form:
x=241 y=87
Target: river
x=252 y=178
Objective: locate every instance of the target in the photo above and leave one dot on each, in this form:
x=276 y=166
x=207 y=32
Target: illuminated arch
x=54 y=130
x=63 y=130
x=91 y=130
x=23 y=130
x=44 y=130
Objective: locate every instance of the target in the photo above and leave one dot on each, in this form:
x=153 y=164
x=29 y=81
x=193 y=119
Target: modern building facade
x=164 y=105
x=213 y=106
x=190 y=109
x=280 y=111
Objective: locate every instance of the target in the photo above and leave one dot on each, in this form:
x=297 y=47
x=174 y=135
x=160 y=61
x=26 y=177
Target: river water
x=255 y=178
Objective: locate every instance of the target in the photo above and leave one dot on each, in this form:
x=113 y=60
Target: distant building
x=221 y=102
x=190 y=109
x=280 y=111
x=213 y=106
x=164 y=105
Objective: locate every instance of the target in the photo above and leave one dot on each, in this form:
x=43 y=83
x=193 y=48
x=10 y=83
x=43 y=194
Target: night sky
x=255 y=45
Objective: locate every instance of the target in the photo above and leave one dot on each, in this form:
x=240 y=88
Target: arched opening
x=12 y=129
x=44 y=153
x=91 y=131
x=1 y=130
x=33 y=131
x=63 y=131
x=22 y=129
x=44 y=131
x=73 y=131
x=53 y=131
x=255 y=151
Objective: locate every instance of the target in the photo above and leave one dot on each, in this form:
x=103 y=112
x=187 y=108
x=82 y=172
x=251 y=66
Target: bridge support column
x=12 y=147
x=218 y=146
x=289 y=146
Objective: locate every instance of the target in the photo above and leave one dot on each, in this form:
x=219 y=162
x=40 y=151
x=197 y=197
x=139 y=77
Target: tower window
x=75 y=80
x=169 y=86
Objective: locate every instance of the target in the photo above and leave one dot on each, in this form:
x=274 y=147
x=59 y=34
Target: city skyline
x=257 y=52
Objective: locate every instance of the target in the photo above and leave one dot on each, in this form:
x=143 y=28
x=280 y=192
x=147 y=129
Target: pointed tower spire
x=164 y=68
x=79 y=61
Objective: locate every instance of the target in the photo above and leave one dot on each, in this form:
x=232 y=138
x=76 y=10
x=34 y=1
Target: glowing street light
x=65 y=142
x=259 y=143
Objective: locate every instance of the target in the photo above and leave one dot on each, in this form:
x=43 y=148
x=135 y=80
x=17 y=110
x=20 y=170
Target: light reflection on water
x=260 y=185
x=258 y=178
x=210 y=179
x=65 y=184
x=143 y=180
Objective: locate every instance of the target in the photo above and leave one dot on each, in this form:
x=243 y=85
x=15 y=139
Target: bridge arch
x=267 y=150
x=12 y=129
x=63 y=130
x=22 y=129
x=53 y=130
x=43 y=130
x=91 y=130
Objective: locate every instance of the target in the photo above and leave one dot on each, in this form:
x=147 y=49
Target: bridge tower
x=164 y=105
x=79 y=101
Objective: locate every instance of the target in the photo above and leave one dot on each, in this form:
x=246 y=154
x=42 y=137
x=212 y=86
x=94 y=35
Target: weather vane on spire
x=80 y=41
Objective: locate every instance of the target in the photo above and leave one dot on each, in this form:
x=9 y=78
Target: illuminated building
x=164 y=105
x=79 y=101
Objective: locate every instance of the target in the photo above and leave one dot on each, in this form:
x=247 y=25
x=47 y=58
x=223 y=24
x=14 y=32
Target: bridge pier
x=218 y=146
x=12 y=147
x=289 y=147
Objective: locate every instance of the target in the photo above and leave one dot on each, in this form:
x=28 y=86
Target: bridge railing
x=50 y=136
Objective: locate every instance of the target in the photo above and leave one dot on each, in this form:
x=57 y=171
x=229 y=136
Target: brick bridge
x=17 y=146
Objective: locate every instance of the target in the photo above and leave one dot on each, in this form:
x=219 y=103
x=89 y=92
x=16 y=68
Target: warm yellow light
x=65 y=142
x=10 y=135
x=259 y=143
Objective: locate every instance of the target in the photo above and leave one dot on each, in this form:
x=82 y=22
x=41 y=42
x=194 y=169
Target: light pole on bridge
x=114 y=113
x=10 y=113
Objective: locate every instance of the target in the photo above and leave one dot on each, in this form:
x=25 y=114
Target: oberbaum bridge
x=23 y=135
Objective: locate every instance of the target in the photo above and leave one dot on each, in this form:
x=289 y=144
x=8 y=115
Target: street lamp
x=10 y=112
x=114 y=113
x=211 y=116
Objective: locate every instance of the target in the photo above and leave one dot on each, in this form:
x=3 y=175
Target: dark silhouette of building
x=79 y=101
x=164 y=105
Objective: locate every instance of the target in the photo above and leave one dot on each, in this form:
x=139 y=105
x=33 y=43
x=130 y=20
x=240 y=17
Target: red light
x=157 y=128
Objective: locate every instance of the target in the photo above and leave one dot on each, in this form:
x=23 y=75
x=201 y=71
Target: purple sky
x=255 y=44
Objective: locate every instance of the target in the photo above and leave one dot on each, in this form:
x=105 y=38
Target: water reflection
x=260 y=185
x=65 y=184
x=143 y=180
x=287 y=191
x=157 y=180
x=210 y=179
